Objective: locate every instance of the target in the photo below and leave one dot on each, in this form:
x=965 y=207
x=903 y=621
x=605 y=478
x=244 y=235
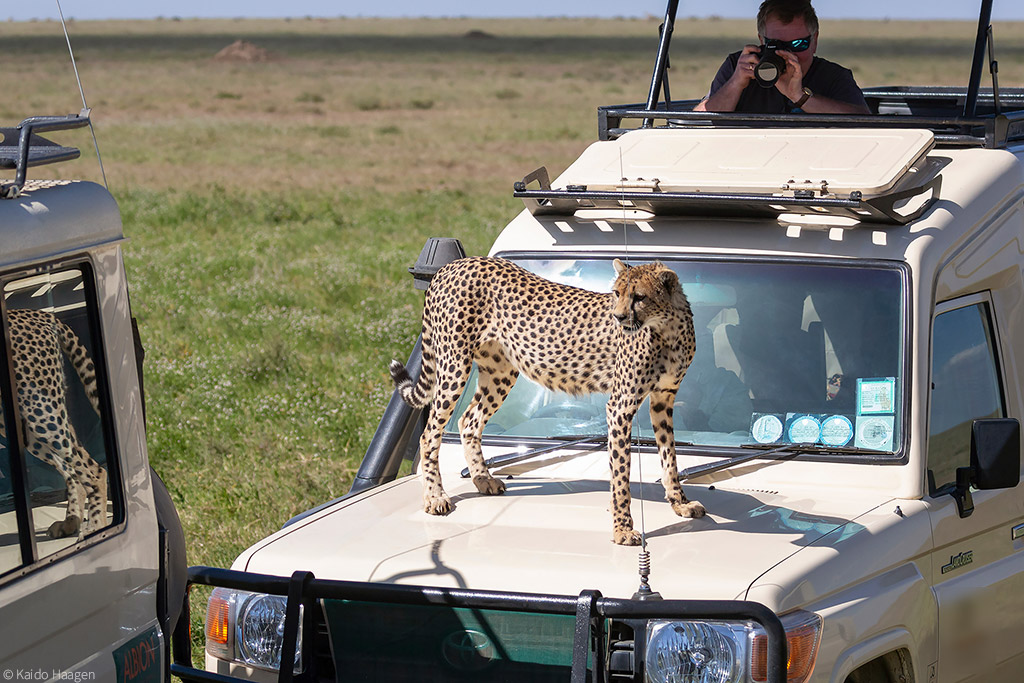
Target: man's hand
x=744 y=72
x=791 y=82
x=726 y=98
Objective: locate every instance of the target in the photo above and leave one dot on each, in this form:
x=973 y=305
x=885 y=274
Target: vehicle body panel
x=111 y=578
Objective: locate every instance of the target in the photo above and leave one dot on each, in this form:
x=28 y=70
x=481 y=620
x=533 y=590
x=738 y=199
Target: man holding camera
x=782 y=75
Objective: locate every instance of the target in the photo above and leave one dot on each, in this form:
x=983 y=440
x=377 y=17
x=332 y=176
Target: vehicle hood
x=549 y=535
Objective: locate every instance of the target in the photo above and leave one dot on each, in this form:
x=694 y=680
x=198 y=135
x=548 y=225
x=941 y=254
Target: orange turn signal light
x=218 y=626
x=803 y=634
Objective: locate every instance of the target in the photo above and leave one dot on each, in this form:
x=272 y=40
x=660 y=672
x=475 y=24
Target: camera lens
x=769 y=67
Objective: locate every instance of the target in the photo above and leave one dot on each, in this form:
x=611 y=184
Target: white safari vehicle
x=92 y=564
x=850 y=421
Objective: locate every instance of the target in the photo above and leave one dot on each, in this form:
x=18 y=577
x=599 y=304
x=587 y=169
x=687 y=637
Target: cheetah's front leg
x=620 y=430
x=661 y=417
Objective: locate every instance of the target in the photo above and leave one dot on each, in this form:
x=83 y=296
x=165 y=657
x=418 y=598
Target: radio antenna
x=644 y=592
x=85 y=107
x=622 y=203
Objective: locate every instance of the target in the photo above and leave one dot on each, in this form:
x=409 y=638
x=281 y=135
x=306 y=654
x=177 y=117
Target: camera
x=770 y=65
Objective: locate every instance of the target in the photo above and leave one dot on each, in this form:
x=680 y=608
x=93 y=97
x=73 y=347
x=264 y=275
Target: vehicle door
x=77 y=601
x=977 y=563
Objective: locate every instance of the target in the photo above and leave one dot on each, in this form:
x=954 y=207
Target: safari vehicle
x=850 y=421
x=80 y=599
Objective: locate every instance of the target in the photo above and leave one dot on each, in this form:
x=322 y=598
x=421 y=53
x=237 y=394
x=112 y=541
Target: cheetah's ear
x=620 y=267
x=668 y=279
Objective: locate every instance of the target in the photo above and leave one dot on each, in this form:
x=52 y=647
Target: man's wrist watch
x=807 y=95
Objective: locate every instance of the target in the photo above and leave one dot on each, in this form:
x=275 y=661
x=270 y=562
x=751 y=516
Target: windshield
x=787 y=352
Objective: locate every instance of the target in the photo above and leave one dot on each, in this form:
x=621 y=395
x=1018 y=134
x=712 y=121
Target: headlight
x=727 y=652
x=696 y=652
x=249 y=628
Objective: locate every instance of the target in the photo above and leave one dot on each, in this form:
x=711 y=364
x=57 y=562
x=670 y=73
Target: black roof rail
x=935 y=109
x=22 y=147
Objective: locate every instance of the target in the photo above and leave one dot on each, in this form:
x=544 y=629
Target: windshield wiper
x=788 y=450
x=595 y=440
x=758 y=452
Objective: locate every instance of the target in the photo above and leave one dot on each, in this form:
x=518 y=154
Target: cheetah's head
x=648 y=294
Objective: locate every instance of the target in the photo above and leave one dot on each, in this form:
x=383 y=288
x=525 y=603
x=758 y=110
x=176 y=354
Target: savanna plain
x=274 y=199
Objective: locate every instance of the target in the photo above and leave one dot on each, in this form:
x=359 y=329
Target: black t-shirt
x=823 y=78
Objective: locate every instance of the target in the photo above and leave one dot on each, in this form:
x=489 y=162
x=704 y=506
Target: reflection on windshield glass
x=787 y=352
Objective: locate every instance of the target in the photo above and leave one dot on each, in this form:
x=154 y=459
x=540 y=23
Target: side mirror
x=995 y=461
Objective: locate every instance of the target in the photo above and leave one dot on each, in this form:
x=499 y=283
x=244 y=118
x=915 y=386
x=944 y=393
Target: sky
x=826 y=9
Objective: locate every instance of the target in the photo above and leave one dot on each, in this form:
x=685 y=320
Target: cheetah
x=37 y=340
x=636 y=341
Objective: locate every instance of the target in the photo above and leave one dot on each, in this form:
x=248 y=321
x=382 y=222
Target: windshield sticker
x=766 y=428
x=836 y=430
x=803 y=429
x=875 y=432
x=876 y=396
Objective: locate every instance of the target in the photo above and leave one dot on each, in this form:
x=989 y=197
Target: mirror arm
x=962 y=492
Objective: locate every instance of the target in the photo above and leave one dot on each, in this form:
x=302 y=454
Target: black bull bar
x=589 y=607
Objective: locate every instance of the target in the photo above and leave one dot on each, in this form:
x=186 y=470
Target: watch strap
x=807 y=95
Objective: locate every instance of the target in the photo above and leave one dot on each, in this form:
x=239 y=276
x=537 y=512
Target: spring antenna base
x=644 y=592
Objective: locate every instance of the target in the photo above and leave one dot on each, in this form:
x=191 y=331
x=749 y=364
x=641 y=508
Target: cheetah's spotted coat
x=631 y=343
x=37 y=340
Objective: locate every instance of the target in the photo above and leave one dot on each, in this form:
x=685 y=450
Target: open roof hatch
x=856 y=173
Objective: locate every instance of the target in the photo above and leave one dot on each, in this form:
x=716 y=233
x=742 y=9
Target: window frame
x=30 y=560
x=983 y=300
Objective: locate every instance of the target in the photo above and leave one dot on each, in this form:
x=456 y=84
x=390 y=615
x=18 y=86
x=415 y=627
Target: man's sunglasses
x=798 y=45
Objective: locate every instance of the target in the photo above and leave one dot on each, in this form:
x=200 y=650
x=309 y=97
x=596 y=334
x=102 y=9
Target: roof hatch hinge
x=805 y=189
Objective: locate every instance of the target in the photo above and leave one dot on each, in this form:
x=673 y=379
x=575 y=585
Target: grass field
x=274 y=206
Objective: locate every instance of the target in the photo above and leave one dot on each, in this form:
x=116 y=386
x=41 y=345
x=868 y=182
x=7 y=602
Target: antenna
x=85 y=107
x=622 y=203
x=644 y=592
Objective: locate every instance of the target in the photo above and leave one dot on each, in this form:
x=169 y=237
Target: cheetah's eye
x=639 y=298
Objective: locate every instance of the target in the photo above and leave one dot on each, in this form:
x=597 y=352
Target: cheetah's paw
x=65 y=528
x=625 y=537
x=691 y=509
x=488 y=485
x=438 y=505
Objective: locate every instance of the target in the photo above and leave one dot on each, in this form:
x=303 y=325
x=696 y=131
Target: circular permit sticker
x=874 y=432
x=804 y=429
x=836 y=430
x=766 y=429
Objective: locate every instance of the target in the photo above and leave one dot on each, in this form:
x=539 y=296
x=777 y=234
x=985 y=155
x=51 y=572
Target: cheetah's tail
x=79 y=357
x=413 y=393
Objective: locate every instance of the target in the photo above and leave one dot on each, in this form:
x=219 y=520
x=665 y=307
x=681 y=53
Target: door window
x=965 y=387
x=60 y=485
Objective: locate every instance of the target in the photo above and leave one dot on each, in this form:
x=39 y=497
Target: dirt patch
x=244 y=51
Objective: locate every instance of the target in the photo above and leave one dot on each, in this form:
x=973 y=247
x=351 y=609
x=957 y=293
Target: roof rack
x=22 y=147
x=880 y=209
